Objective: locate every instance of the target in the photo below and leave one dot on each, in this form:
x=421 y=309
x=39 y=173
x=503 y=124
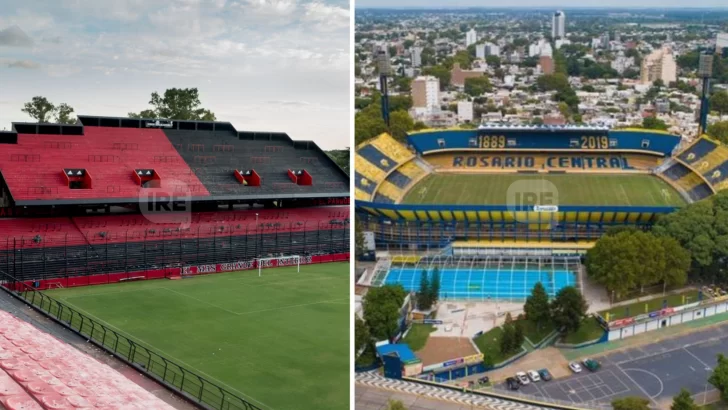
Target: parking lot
x=657 y=371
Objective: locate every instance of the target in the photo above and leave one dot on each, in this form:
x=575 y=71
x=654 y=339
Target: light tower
x=385 y=69
x=705 y=71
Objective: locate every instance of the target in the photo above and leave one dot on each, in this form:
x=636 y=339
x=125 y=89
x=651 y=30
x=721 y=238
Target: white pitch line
x=201 y=301
x=652 y=398
x=697 y=358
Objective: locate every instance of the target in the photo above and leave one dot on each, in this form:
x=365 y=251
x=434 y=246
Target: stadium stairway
x=57 y=376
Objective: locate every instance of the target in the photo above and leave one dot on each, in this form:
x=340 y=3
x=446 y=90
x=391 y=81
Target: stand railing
x=187 y=383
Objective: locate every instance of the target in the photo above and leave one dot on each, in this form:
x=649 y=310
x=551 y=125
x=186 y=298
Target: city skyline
x=520 y=4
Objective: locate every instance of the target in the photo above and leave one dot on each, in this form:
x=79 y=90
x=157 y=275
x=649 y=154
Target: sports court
x=656 y=371
x=257 y=336
x=468 y=278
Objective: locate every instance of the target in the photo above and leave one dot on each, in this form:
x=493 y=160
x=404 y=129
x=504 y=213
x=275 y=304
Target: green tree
x=658 y=83
x=518 y=336
x=568 y=309
x=404 y=84
x=63 y=114
x=464 y=59
x=508 y=338
x=176 y=104
x=719 y=131
x=362 y=338
x=435 y=286
x=477 y=86
x=341 y=157
x=424 y=300
x=381 y=310
x=493 y=61
x=537 y=306
x=631 y=403
x=654 y=123
x=719 y=102
x=719 y=377
x=442 y=73
x=676 y=263
x=683 y=401
x=509 y=318
x=400 y=123
x=40 y=109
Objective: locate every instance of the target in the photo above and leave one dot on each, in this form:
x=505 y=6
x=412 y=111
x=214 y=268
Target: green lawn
x=489 y=345
x=588 y=331
x=280 y=340
x=638 y=308
x=533 y=333
x=417 y=336
x=572 y=189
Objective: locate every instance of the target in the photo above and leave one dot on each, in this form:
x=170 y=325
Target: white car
x=575 y=367
x=521 y=376
x=533 y=375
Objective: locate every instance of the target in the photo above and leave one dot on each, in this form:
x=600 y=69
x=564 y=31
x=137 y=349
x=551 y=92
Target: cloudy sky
x=536 y=3
x=264 y=65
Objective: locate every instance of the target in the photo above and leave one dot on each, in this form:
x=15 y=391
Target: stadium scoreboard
x=577 y=138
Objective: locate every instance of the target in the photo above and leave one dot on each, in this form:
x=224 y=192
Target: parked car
x=512 y=383
x=484 y=380
x=545 y=375
x=575 y=367
x=591 y=364
x=533 y=375
x=521 y=376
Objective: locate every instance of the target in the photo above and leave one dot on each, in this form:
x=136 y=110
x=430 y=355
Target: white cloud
x=239 y=53
x=23 y=64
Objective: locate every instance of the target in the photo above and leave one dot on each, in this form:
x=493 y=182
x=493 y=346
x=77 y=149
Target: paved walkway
x=371 y=379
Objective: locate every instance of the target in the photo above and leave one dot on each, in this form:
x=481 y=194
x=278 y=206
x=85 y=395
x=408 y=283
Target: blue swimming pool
x=486 y=283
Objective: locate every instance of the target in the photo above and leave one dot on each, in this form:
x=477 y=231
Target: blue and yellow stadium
x=527 y=184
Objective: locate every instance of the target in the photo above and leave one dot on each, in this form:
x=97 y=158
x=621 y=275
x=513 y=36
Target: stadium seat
x=58 y=376
x=699 y=149
x=395 y=150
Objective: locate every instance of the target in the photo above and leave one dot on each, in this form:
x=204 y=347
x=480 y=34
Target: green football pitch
x=571 y=189
x=280 y=340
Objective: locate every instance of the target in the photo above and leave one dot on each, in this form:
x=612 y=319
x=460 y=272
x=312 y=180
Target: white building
x=480 y=51
x=622 y=63
x=416 y=56
x=425 y=92
x=560 y=42
x=492 y=49
x=721 y=41
x=471 y=37
x=465 y=111
x=542 y=48
x=558 y=25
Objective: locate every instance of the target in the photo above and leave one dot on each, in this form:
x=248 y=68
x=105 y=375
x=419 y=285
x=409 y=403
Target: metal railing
x=187 y=383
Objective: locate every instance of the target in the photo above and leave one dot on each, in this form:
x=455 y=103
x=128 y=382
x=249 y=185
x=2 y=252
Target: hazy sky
x=264 y=65
x=536 y=3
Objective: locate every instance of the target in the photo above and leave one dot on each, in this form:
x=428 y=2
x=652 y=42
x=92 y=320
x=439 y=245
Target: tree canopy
x=381 y=310
x=537 y=306
x=176 y=104
x=568 y=309
x=719 y=377
x=631 y=259
x=683 y=401
x=341 y=157
x=44 y=111
x=719 y=131
x=719 y=102
x=654 y=123
x=477 y=86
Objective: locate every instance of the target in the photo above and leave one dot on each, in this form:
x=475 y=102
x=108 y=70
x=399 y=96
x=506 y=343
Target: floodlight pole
x=705 y=72
x=384 y=71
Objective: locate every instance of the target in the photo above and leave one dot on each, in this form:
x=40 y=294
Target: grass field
x=280 y=340
x=417 y=336
x=572 y=189
x=651 y=305
x=588 y=331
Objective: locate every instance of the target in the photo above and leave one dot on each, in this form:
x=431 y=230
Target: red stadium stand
x=57 y=376
x=109 y=155
x=24 y=233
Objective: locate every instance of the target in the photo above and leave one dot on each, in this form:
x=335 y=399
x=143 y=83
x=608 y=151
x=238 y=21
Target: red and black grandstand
x=72 y=198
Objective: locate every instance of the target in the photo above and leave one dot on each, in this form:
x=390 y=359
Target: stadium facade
x=110 y=199
x=388 y=173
